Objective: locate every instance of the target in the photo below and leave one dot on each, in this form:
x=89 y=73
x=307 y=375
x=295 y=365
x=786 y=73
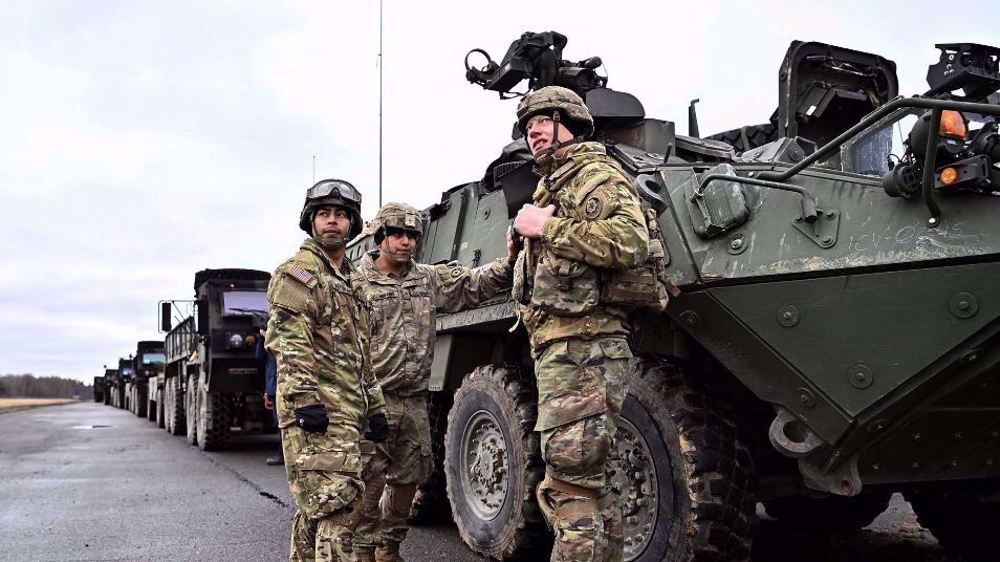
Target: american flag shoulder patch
x=300 y=274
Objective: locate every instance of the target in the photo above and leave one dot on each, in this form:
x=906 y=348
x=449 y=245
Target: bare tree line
x=30 y=386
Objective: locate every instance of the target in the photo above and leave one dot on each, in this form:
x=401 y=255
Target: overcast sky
x=143 y=141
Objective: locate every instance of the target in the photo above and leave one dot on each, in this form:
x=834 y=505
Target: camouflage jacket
x=598 y=225
x=318 y=334
x=403 y=309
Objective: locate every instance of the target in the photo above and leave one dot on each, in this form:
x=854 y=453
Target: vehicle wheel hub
x=484 y=470
x=633 y=476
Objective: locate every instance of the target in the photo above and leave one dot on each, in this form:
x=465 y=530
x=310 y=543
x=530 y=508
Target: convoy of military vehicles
x=836 y=339
x=203 y=381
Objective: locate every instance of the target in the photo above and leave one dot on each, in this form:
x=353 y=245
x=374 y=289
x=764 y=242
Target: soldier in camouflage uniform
x=404 y=297
x=318 y=335
x=584 y=224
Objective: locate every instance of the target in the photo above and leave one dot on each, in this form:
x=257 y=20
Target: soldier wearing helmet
x=318 y=335
x=585 y=222
x=404 y=297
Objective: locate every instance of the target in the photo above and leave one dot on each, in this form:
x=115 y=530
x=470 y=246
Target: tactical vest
x=565 y=287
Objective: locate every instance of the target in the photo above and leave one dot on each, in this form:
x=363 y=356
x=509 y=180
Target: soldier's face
x=331 y=225
x=539 y=133
x=399 y=245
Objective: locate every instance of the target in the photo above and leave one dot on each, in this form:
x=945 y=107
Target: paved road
x=90 y=482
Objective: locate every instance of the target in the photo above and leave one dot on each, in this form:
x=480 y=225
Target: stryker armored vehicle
x=147 y=363
x=837 y=335
x=98 y=389
x=212 y=380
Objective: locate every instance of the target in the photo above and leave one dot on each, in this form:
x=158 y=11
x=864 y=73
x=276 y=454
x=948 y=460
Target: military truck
x=106 y=386
x=98 y=389
x=837 y=335
x=115 y=387
x=126 y=378
x=213 y=382
x=147 y=363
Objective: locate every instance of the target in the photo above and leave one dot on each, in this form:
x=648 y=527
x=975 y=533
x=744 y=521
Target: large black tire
x=176 y=420
x=150 y=409
x=213 y=418
x=960 y=522
x=141 y=403
x=160 y=409
x=430 y=504
x=492 y=465
x=191 y=396
x=830 y=514
x=754 y=135
x=686 y=441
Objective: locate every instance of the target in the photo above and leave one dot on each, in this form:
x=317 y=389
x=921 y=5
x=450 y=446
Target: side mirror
x=165 y=322
x=202 y=305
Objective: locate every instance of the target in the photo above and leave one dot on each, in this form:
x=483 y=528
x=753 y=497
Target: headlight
x=235 y=341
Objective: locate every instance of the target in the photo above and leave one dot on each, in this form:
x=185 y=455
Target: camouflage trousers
x=581 y=388
x=324 y=478
x=398 y=466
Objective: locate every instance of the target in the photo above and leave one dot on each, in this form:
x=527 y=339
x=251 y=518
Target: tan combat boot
x=388 y=552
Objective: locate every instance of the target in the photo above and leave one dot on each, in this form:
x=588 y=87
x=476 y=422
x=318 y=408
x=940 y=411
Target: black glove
x=312 y=418
x=378 y=428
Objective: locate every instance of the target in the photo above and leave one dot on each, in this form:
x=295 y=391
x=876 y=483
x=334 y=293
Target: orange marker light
x=949 y=175
x=953 y=125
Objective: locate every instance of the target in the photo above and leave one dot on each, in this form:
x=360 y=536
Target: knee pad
x=399 y=499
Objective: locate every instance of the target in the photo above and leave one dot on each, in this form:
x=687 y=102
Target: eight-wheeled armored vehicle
x=837 y=337
x=212 y=380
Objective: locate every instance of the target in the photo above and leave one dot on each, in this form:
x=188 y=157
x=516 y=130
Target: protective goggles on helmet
x=335 y=188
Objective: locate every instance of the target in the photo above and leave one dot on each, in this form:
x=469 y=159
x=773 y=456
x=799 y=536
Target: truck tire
x=160 y=421
x=430 y=504
x=696 y=472
x=191 y=407
x=830 y=514
x=141 y=404
x=151 y=409
x=961 y=523
x=213 y=419
x=492 y=465
x=175 y=414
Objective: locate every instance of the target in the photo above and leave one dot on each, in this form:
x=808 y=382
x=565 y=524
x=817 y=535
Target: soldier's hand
x=312 y=418
x=531 y=220
x=378 y=428
x=267 y=402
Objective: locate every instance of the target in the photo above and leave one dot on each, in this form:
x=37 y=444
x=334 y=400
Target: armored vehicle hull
x=836 y=339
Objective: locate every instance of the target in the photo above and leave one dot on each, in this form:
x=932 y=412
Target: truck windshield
x=153 y=359
x=244 y=303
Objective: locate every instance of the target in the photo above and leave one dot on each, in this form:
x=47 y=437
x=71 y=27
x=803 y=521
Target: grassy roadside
x=8 y=405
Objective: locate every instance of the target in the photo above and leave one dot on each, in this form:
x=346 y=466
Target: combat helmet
x=562 y=104
x=332 y=192
x=395 y=215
